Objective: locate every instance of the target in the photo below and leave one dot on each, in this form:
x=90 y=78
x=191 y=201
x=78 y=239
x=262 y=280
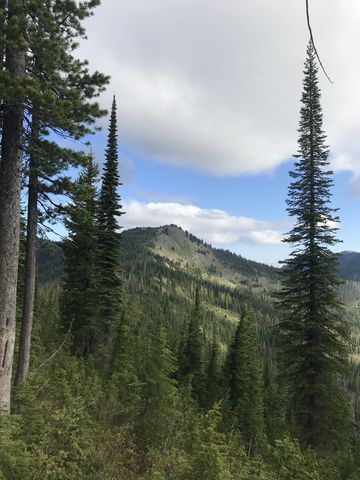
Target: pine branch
x=44 y=229
x=57 y=206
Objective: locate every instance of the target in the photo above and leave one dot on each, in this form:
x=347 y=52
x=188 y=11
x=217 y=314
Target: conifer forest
x=147 y=353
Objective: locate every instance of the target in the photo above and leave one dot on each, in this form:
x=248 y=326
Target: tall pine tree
x=191 y=354
x=314 y=335
x=245 y=382
x=60 y=104
x=78 y=290
x=109 y=283
x=213 y=390
x=13 y=46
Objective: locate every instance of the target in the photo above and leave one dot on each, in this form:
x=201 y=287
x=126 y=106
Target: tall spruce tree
x=314 y=335
x=109 y=283
x=191 y=356
x=213 y=390
x=245 y=382
x=78 y=290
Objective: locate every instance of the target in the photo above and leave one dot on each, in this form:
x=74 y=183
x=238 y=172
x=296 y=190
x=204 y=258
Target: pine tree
x=314 y=335
x=209 y=460
x=60 y=103
x=243 y=372
x=12 y=92
x=158 y=393
x=78 y=290
x=213 y=375
x=124 y=386
x=274 y=408
x=109 y=283
x=191 y=356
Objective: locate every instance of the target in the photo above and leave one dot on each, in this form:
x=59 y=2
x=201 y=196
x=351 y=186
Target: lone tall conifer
x=109 y=249
x=314 y=335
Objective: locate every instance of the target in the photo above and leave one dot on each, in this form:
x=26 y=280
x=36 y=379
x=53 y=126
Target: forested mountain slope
x=194 y=255
x=163 y=270
x=163 y=266
x=349 y=263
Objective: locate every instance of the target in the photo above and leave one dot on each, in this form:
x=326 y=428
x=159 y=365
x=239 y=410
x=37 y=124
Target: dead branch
x=57 y=350
x=313 y=43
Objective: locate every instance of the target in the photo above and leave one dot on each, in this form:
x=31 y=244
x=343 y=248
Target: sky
x=208 y=108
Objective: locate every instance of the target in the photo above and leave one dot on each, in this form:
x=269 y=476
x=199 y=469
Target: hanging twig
x=57 y=350
x=313 y=43
x=171 y=423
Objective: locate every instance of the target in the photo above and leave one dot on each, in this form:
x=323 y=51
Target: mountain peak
x=192 y=254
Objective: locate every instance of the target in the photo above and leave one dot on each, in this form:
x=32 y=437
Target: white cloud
x=165 y=197
x=214 y=226
x=355 y=184
x=216 y=85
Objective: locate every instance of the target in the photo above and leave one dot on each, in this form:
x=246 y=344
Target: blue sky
x=208 y=112
x=257 y=196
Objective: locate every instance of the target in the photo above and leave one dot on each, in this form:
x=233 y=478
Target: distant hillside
x=164 y=265
x=349 y=263
x=194 y=255
x=50 y=262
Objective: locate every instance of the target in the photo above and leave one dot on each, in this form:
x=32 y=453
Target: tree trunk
x=22 y=371
x=10 y=186
x=2 y=51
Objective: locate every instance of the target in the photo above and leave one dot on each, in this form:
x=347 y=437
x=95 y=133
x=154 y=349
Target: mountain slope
x=193 y=255
x=163 y=266
x=349 y=263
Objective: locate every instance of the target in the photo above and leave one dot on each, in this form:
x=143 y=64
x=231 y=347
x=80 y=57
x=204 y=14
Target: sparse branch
x=57 y=206
x=46 y=228
x=57 y=350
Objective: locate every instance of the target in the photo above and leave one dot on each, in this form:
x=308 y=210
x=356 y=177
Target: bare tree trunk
x=2 y=51
x=10 y=186
x=22 y=371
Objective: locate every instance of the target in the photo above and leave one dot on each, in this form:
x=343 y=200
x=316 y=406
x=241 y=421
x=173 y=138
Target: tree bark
x=2 y=52
x=22 y=371
x=10 y=186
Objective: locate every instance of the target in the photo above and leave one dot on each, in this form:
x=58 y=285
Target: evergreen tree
x=213 y=375
x=274 y=408
x=124 y=387
x=158 y=393
x=314 y=334
x=78 y=290
x=12 y=92
x=109 y=284
x=59 y=102
x=245 y=384
x=191 y=357
x=209 y=456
